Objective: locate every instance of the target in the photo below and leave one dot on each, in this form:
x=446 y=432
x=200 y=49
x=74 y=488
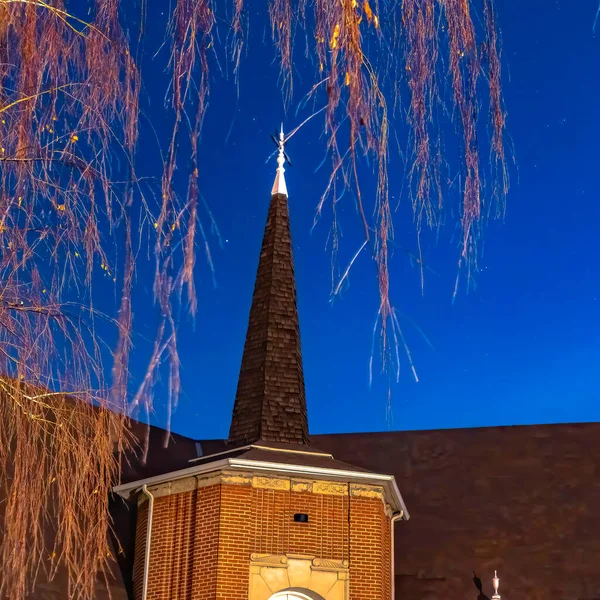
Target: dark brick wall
x=523 y=500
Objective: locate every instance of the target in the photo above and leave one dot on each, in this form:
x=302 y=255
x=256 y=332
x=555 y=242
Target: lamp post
x=496 y=583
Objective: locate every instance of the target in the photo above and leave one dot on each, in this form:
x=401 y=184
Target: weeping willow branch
x=69 y=120
x=69 y=116
x=430 y=55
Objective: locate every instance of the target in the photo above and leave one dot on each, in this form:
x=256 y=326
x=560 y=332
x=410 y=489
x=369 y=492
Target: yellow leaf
x=61 y=207
x=376 y=21
x=368 y=10
x=74 y=137
x=347 y=78
x=336 y=34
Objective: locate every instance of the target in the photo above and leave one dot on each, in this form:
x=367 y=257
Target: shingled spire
x=270 y=403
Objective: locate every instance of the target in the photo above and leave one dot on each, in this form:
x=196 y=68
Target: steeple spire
x=279 y=186
x=270 y=403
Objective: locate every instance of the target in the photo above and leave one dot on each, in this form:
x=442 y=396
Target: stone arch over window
x=296 y=594
x=297 y=577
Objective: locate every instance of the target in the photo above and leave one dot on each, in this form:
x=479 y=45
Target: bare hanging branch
x=69 y=119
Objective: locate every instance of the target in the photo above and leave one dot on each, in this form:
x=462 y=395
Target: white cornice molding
x=388 y=482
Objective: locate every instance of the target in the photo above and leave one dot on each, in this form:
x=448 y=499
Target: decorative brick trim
x=270 y=483
x=236 y=479
x=325 y=564
x=302 y=485
x=330 y=488
x=366 y=491
x=180 y=486
x=268 y=560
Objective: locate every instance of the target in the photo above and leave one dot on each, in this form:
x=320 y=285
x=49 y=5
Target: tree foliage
x=74 y=213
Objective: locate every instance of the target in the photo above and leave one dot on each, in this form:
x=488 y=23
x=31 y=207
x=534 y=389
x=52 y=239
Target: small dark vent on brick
x=301 y=518
x=270 y=403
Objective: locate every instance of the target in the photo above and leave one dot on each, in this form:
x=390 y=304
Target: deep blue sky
x=523 y=347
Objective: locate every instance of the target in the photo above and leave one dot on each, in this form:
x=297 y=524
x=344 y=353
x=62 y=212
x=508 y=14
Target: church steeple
x=270 y=403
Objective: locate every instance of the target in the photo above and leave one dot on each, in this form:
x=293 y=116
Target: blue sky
x=523 y=347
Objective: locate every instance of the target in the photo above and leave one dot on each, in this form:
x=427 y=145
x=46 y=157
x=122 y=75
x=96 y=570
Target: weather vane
x=281 y=140
x=279 y=187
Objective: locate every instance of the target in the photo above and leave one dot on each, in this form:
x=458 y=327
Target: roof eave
x=388 y=482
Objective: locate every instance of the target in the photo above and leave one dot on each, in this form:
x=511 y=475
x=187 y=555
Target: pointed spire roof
x=270 y=403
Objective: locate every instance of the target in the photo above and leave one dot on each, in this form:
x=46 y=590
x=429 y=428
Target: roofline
x=230 y=451
x=452 y=429
x=387 y=481
x=259 y=447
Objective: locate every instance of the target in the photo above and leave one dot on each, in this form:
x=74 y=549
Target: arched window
x=296 y=594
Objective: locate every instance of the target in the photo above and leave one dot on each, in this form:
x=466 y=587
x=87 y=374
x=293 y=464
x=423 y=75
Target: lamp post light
x=496 y=583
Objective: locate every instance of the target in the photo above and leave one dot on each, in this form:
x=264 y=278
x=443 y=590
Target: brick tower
x=270 y=517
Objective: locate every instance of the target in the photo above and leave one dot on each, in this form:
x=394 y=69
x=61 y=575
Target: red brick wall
x=184 y=546
x=523 y=500
x=235 y=542
x=206 y=545
x=202 y=540
x=369 y=547
x=139 y=550
x=169 y=573
x=326 y=533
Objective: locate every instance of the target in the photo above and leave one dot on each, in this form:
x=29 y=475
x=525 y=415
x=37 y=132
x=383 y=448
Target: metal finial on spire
x=496 y=583
x=279 y=186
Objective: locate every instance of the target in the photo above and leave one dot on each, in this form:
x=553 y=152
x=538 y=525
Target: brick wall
x=202 y=539
x=523 y=500
x=184 y=547
x=369 y=577
x=206 y=542
x=238 y=512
